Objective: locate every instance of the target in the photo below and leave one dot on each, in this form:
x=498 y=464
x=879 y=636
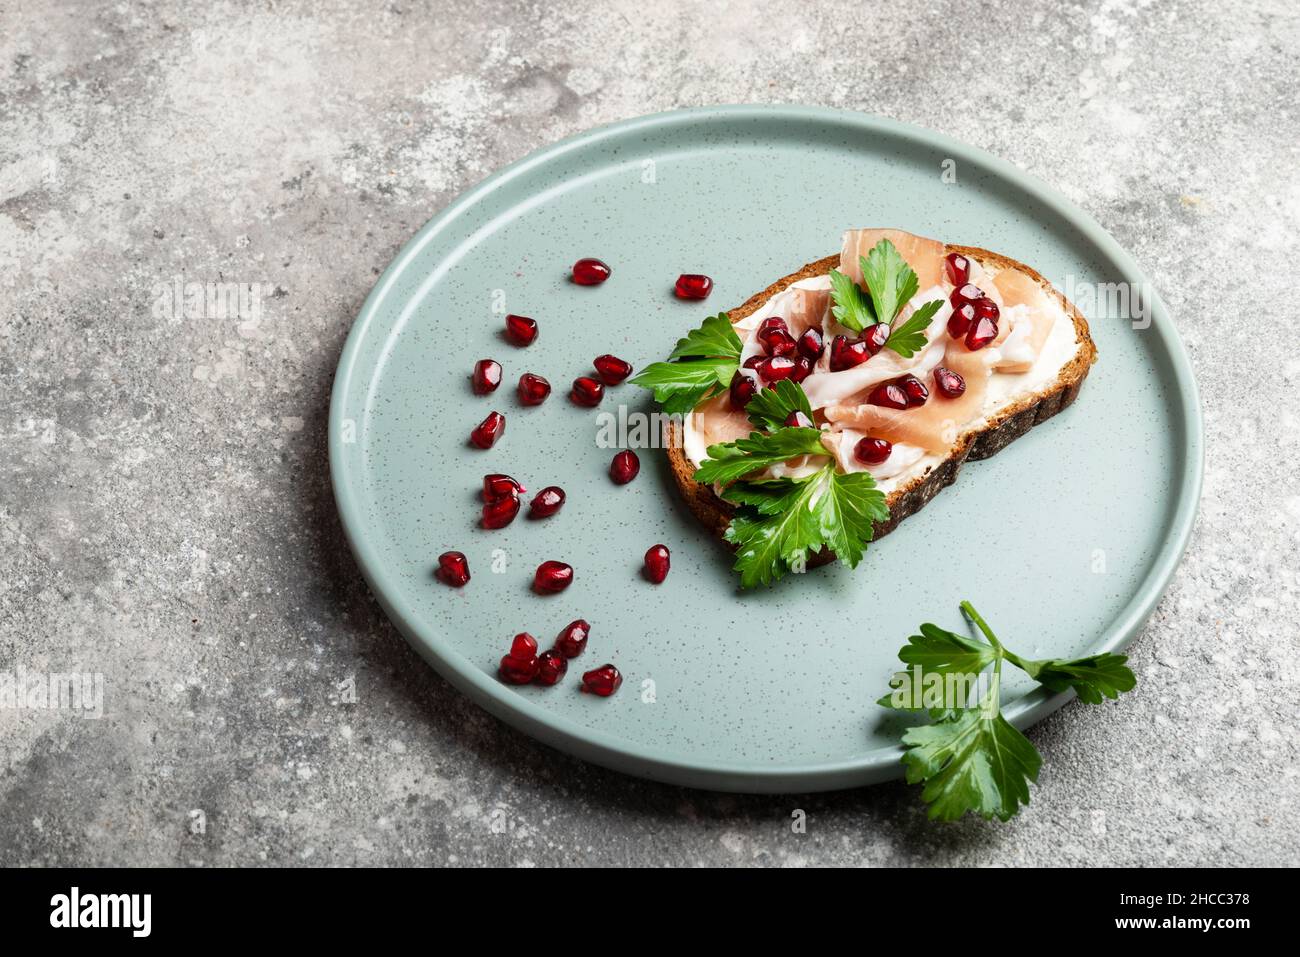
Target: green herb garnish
x=970 y=758
x=700 y=367
x=890 y=284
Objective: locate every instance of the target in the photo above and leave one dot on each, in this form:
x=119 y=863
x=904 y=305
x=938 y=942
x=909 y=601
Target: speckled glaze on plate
x=1064 y=540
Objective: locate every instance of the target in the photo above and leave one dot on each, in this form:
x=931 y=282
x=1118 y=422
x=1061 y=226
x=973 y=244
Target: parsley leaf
x=971 y=758
x=700 y=367
x=769 y=408
x=792 y=519
x=851 y=307
x=889 y=279
x=1092 y=678
x=909 y=338
x=730 y=461
x=715 y=339
x=975 y=762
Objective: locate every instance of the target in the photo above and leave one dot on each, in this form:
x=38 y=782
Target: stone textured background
x=165 y=516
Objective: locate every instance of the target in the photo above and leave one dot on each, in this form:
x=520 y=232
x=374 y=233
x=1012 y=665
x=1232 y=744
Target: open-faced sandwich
x=842 y=398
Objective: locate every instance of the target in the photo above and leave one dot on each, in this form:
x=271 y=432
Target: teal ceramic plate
x=1064 y=540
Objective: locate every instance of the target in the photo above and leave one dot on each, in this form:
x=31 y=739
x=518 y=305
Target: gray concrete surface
x=165 y=517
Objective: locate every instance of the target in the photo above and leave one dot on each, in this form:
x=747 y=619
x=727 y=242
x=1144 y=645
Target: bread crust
x=1007 y=426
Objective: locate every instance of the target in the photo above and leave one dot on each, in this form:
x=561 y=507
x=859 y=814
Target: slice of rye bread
x=1005 y=427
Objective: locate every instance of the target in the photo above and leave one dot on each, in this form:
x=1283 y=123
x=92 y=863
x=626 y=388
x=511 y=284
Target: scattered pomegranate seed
x=981 y=334
x=500 y=512
x=803 y=367
x=519 y=666
x=753 y=361
x=453 y=568
x=590 y=272
x=551 y=667
x=872 y=451
x=847 y=353
x=966 y=292
x=875 y=336
x=487 y=376
x=693 y=286
x=489 y=430
x=986 y=308
x=798 y=420
x=533 y=389
x=496 y=486
x=521 y=330
x=624 y=467
x=811 y=345
x=546 y=502
x=611 y=369
x=776 y=368
x=552 y=577
x=957 y=267
x=914 y=389
x=573 y=639
x=950 y=384
x=587 y=391
x=742 y=390
x=888 y=394
x=656 y=563
x=960 y=320
x=602 y=681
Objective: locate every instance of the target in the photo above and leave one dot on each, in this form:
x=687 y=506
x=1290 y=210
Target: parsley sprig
x=970 y=758
x=780 y=523
x=890 y=285
x=699 y=367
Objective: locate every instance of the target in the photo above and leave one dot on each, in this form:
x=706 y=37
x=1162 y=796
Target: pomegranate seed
x=489 y=430
x=521 y=330
x=957 y=267
x=811 y=345
x=602 y=681
x=546 y=502
x=960 y=320
x=774 y=336
x=914 y=389
x=500 y=512
x=519 y=666
x=981 y=334
x=742 y=390
x=798 y=420
x=753 y=361
x=487 y=376
x=533 y=389
x=656 y=563
x=497 y=486
x=776 y=368
x=552 y=577
x=875 y=336
x=888 y=394
x=847 y=353
x=803 y=367
x=624 y=467
x=872 y=451
x=693 y=286
x=551 y=667
x=573 y=639
x=966 y=292
x=611 y=369
x=523 y=646
x=986 y=308
x=587 y=391
x=950 y=384
x=453 y=569
x=590 y=272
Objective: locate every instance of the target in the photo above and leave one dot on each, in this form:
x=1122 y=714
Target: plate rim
x=597 y=746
